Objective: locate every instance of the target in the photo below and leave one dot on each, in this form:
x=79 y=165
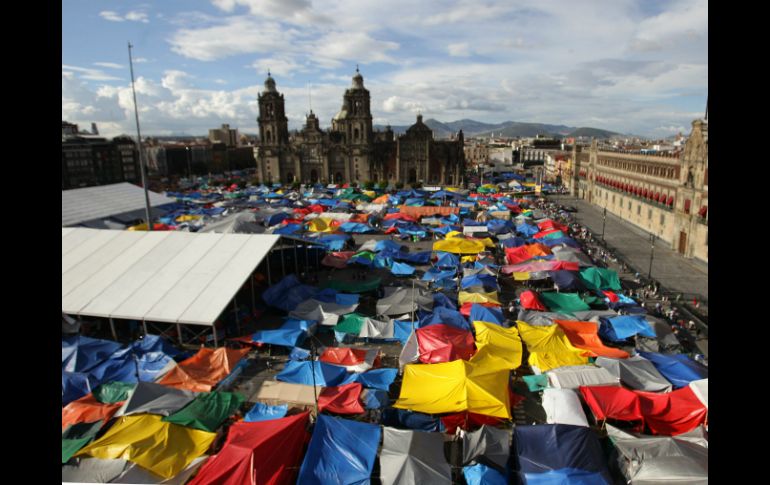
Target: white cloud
x=282 y=66
x=111 y=65
x=461 y=49
x=91 y=74
x=133 y=16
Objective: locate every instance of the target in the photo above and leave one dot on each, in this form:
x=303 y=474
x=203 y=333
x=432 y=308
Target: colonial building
x=351 y=151
x=89 y=159
x=664 y=195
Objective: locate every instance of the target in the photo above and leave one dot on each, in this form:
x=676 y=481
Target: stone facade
x=351 y=151
x=666 y=196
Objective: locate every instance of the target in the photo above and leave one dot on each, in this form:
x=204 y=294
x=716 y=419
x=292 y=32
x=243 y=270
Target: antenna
x=309 y=98
x=139 y=141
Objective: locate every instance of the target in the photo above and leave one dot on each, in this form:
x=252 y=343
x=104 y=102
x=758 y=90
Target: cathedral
x=351 y=151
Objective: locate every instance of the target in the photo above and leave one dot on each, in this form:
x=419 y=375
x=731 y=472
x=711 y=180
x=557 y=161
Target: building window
x=629 y=205
x=707 y=238
x=663 y=220
x=613 y=198
x=649 y=214
x=639 y=209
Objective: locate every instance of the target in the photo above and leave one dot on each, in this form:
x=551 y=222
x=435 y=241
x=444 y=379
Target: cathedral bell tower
x=273 y=136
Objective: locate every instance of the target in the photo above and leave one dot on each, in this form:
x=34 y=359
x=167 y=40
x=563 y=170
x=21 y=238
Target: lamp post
x=189 y=167
x=652 y=251
x=604 y=221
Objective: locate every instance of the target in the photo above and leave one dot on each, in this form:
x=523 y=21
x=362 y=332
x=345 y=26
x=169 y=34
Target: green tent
x=600 y=278
x=536 y=383
x=594 y=301
x=207 y=411
x=350 y=323
x=113 y=392
x=554 y=235
x=77 y=436
x=563 y=302
x=354 y=286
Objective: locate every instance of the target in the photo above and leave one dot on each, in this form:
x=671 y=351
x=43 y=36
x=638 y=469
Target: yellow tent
x=452 y=234
x=468 y=259
x=521 y=275
x=497 y=345
x=487 y=242
x=163 y=448
x=369 y=193
x=459 y=246
x=320 y=224
x=456 y=386
x=479 y=297
x=549 y=347
x=187 y=218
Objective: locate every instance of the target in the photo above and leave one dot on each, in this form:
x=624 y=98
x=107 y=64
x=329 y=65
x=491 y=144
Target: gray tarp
x=240 y=223
x=136 y=474
x=475 y=271
x=398 y=300
x=701 y=389
x=321 y=312
x=377 y=328
x=586 y=315
x=660 y=459
x=541 y=319
x=93 y=470
x=570 y=254
x=410 y=352
x=562 y=406
x=574 y=376
x=636 y=372
x=665 y=342
x=413 y=457
x=148 y=397
x=487 y=445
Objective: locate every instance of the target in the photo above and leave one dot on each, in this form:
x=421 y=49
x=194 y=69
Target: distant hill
x=507 y=129
x=592 y=133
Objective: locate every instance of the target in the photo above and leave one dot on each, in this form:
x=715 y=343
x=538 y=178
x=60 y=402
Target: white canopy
x=162 y=276
x=89 y=203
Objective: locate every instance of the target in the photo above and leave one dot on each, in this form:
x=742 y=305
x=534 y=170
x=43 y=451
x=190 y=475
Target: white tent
x=173 y=277
x=115 y=200
x=562 y=406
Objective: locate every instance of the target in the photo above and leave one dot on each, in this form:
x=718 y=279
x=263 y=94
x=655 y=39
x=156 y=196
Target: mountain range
x=506 y=129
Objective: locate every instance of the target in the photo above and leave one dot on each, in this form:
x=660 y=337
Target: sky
x=634 y=67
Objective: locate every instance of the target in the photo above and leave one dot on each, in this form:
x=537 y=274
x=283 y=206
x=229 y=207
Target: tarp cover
x=635 y=372
x=340 y=451
x=344 y=399
x=398 y=301
x=453 y=387
x=481 y=474
x=562 y=406
x=487 y=445
x=325 y=313
x=616 y=329
x=154 y=398
x=549 y=347
x=267 y=452
x=458 y=245
x=208 y=411
x=567 y=280
x=478 y=297
x=447 y=316
x=163 y=448
x=204 y=370
x=585 y=335
x=413 y=458
x=265 y=412
x=301 y=372
x=563 y=302
x=444 y=343
x=552 y=447
x=679 y=369
x=482 y=313
x=495 y=343
x=87 y=410
x=401 y=418
x=530 y=301
x=645 y=459
x=574 y=376
x=596 y=278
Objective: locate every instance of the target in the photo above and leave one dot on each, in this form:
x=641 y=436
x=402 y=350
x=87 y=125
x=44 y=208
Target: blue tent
x=413 y=230
x=415 y=202
x=434 y=274
x=120 y=366
x=301 y=372
x=446 y=229
x=486 y=314
x=363 y=260
x=513 y=242
x=75 y=385
x=486 y=280
x=150 y=364
x=679 y=369
x=444 y=193
x=286 y=337
x=298 y=353
x=402 y=269
x=288 y=293
x=357 y=228
x=616 y=329
x=387 y=244
x=447 y=260
x=527 y=229
x=404 y=419
x=568 y=449
x=153 y=343
x=441 y=300
x=567 y=241
x=340 y=451
x=567 y=280
x=446 y=316
x=79 y=354
x=498 y=226
x=481 y=474
x=473 y=223
x=264 y=412
x=566 y=476
x=376 y=378
x=276 y=218
x=401 y=330
x=375 y=398
x=421 y=257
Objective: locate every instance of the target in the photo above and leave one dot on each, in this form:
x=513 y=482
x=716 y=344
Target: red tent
x=341 y=399
x=468 y=421
x=465 y=310
x=613 y=402
x=444 y=343
x=518 y=255
x=551 y=224
x=265 y=452
x=530 y=301
x=345 y=356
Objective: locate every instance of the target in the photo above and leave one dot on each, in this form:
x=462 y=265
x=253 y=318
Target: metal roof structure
x=89 y=203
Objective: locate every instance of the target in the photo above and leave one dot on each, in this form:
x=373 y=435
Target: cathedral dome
x=358 y=80
x=270 y=84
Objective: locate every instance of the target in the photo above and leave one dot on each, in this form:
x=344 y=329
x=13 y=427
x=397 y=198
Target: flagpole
x=139 y=141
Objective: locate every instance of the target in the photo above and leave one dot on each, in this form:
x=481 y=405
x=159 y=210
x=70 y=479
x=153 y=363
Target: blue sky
x=629 y=66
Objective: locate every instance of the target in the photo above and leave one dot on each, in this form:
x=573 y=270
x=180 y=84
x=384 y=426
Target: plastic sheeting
x=267 y=452
x=399 y=300
x=497 y=346
x=549 y=348
x=479 y=297
x=413 y=457
x=288 y=293
x=204 y=370
x=340 y=451
x=481 y=474
x=353 y=360
x=344 y=399
x=87 y=410
x=458 y=245
x=541 y=319
x=453 y=387
x=562 y=406
x=567 y=280
x=619 y=328
x=552 y=447
x=265 y=412
x=482 y=313
x=574 y=376
x=444 y=343
x=571 y=254
x=669 y=414
x=325 y=313
x=301 y=372
x=402 y=269
x=207 y=411
x=446 y=316
x=636 y=372
x=701 y=390
x=530 y=301
x=401 y=418
x=596 y=278
x=154 y=398
x=679 y=369
x=487 y=445
x=585 y=335
x=163 y=448
x=563 y=302
x=645 y=459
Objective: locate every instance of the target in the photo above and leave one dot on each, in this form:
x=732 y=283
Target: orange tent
x=538 y=249
x=204 y=370
x=364 y=218
x=383 y=199
x=584 y=335
x=428 y=210
x=87 y=410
